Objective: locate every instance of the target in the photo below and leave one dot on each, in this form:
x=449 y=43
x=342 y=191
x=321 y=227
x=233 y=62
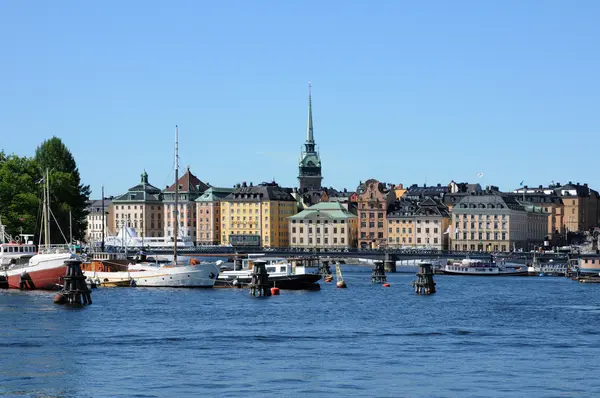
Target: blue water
x=478 y=336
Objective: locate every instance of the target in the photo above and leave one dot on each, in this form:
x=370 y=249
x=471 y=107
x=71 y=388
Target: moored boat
x=551 y=268
x=482 y=267
x=282 y=274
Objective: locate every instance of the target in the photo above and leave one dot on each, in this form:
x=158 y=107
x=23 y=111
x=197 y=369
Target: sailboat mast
x=103 y=220
x=176 y=195
x=47 y=203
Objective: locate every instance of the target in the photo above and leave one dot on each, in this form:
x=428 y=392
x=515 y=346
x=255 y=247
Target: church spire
x=310 y=139
x=309 y=126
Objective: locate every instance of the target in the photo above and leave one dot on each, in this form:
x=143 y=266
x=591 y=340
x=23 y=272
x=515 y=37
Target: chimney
x=244 y=184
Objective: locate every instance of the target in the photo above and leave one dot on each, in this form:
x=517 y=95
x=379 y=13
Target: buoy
x=275 y=291
x=386 y=285
x=60 y=299
x=341 y=284
x=328 y=278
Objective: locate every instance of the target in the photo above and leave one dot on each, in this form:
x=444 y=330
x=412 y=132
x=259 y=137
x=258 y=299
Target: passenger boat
x=282 y=274
x=483 y=268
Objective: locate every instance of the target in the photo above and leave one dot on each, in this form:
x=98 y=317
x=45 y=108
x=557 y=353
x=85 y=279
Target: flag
x=447 y=231
x=480 y=175
x=521 y=183
x=40 y=181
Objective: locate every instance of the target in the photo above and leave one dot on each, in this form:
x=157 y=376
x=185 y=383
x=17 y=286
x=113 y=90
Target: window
x=380 y=235
x=293 y=230
x=371 y=224
x=418 y=230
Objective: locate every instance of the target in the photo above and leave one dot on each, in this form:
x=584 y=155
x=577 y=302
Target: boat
x=283 y=274
x=46 y=269
x=148 y=271
x=551 y=268
x=15 y=252
x=483 y=267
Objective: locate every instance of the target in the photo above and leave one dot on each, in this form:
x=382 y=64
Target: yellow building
x=257 y=216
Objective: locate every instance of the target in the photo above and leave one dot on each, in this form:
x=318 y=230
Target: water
x=478 y=336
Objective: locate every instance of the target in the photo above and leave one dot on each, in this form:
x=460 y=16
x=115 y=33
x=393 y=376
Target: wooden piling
x=424 y=283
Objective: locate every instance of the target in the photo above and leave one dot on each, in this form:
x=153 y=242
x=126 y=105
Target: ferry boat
x=15 y=253
x=282 y=274
x=482 y=267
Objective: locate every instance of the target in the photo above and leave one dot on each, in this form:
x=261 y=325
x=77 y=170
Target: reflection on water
x=477 y=336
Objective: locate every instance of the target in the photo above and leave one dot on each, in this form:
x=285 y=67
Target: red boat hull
x=45 y=279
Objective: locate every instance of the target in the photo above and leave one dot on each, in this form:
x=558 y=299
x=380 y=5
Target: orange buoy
x=275 y=291
x=193 y=261
x=328 y=278
x=386 y=285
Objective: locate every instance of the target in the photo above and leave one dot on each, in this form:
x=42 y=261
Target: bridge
x=370 y=254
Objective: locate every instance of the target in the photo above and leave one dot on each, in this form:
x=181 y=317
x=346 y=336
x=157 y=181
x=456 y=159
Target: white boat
x=127 y=238
x=282 y=274
x=14 y=252
x=550 y=268
x=156 y=275
x=483 y=268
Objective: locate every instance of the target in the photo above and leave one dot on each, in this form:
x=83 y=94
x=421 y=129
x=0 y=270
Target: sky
x=408 y=92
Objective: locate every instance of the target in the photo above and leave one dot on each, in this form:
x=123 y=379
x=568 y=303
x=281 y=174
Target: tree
x=19 y=194
x=67 y=193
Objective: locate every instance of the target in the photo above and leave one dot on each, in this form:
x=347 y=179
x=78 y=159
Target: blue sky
x=406 y=92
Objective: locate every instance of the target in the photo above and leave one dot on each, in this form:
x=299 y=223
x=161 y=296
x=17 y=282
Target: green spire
x=309 y=125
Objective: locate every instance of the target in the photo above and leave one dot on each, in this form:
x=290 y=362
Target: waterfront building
x=492 y=222
x=458 y=190
x=401 y=224
x=140 y=208
x=589 y=264
x=93 y=232
x=413 y=224
x=309 y=176
x=581 y=204
x=374 y=198
x=325 y=225
x=208 y=213
x=190 y=188
x=552 y=204
x=432 y=221
x=257 y=215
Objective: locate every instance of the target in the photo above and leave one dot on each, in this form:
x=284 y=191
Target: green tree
x=19 y=194
x=67 y=193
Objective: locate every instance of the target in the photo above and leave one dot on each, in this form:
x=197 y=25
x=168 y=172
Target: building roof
x=142 y=192
x=489 y=200
x=259 y=193
x=214 y=194
x=330 y=210
x=402 y=208
x=424 y=191
x=188 y=183
x=96 y=205
x=430 y=207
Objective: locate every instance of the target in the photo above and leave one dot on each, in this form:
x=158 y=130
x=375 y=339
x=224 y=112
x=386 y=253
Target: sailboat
x=46 y=269
x=154 y=274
